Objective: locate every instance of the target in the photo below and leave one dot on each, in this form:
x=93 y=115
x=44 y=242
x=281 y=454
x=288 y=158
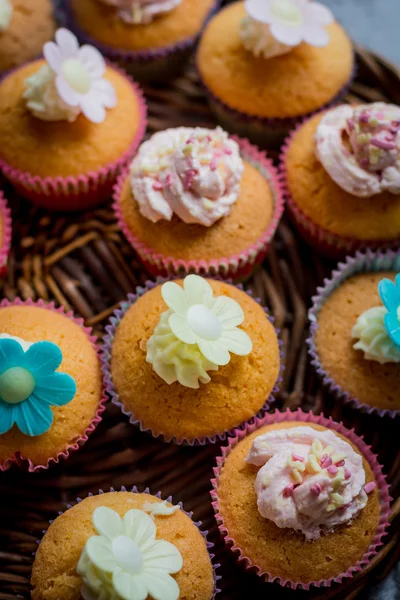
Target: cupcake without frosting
x=123 y=546
x=189 y=360
x=264 y=64
x=341 y=171
x=195 y=199
x=69 y=123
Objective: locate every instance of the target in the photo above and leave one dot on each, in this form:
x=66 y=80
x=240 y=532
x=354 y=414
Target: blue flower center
x=16 y=385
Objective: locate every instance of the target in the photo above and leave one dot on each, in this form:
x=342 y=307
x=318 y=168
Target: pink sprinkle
x=351 y=124
x=344 y=507
x=326 y=463
x=157 y=185
x=297 y=457
x=383 y=144
x=208 y=138
x=168 y=180
x=213 y=163
x=364 y=117
x=227 y=151
x=190 y=140
x=189 y=176
x=288 y=491
x=316 y=489
x=324 y=457
x=369 y=487
x=332 y=470
x=340 y=463
x=347 y=473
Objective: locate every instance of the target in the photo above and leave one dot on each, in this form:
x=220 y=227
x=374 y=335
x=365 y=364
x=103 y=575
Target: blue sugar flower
x=29 y=386
x=390 y=296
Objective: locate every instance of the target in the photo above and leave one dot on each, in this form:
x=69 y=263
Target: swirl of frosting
x=373 y=338
x=137 y=12
x=6 y=11
x=360 y=148
x=258 y=39
x=194 y=173
x=43 y=99
x=309 y=480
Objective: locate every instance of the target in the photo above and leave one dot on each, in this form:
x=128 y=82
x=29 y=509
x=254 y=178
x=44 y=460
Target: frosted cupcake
x=152 y=39
x=190 y=360
x=342 y=176
x=51 y=394
x=355 y=332
x=123 y=545
x=69 y=124
x=300 y=499
x=264 y=64
x=24 y=27
x=196 y=200
x=5 y=233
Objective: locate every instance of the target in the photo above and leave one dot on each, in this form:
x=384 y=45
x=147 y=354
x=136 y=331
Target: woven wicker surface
x=83 y=263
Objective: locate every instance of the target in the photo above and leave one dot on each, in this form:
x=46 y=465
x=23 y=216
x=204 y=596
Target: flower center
x=16 y=385
x=76 y=75
x=204 y=323
x=286 y=11
x=127 y=554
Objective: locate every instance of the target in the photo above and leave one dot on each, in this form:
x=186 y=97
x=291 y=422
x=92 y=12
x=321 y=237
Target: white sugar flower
x=80 y=75
x=6 y=11
x=126 y=561
x=293 y=21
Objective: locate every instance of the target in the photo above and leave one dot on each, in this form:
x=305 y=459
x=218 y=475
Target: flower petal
x=291 y=36
x=52 y=54
x=163 y=555
x=7 y=416
x=199 y=290
x=93 y=110
x=390 y=293
x=107 y=522
x=237 y=341
x=215 y=352
x=318 y=14
x=66 y=92
x=259 y=10
x=93 y=60
x=180 y=328
x=228 y=311
x=315 y=35
x=11 y=354
x=100 y=553
x=130 y=586
x=392 y=325
x=42 y=358
x=106 y=92
x=175 y=298
x=139 y=526
x=33 y=418
x=67 y=42
x=160 y=586
x=56 y=389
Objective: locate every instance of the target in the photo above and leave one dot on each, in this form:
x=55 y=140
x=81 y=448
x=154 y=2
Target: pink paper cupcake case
x=360 y=263
x=327 y=243
x=85 y=190
x=111 y=328
x=198 y=524
x=238 y=266
x=18 y=458
x=145 y=65
x=5 y=218
x=383 y=488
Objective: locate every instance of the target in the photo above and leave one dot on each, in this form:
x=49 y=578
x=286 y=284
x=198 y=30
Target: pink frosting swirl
x=141 y=11
x=360 y=148
x=192 y=172
x=309 y=480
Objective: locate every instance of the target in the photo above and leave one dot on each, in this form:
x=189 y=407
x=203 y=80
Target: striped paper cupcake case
x=19 y=458
x=246 y=562
x=111 y=328
x=238 y=266
x=6 y=233
x=368 y=262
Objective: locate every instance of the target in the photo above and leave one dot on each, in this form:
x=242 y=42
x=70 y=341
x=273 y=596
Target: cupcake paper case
x=22 y=458
x=237 y=266
x=169 y=500
x=5 y=228
x=110 y=386
x=369 y=262
x=303 y=418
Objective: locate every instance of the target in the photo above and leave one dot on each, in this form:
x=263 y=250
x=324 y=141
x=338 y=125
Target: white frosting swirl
x=360 y=148
x=258 y=39
x=6 y=12
x=194 y=173
x=308 y=479
x=373 y=338
x=137 y=12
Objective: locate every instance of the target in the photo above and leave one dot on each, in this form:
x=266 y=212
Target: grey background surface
x=373 y=23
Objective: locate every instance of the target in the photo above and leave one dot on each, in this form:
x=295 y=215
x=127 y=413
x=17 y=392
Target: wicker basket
x=83 y=263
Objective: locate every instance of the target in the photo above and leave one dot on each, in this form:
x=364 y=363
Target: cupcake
x=195 y=200
x=152 y=39
x=51 y=394
x=68 y=125
x=190 y=360
x=5 y=233
x=341 y=171
x=265 y=65
x=123 y=545
x=300 y=499
x=356 y=316
x=24 y=27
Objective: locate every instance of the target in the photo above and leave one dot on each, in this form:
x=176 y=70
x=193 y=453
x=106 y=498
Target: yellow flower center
x=76 y=75
x=287 y=12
